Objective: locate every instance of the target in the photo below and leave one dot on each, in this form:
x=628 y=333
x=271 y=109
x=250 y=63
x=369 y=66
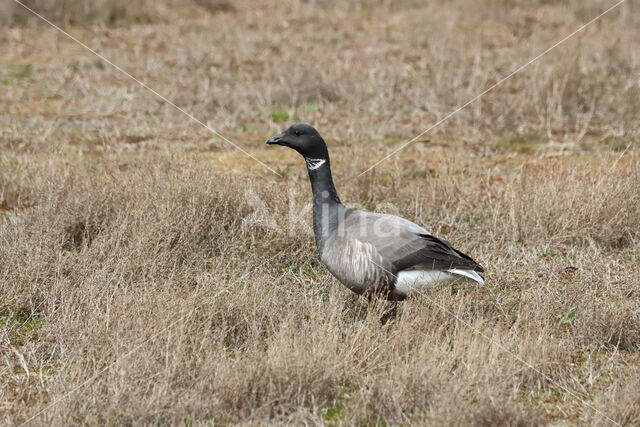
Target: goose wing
x=403 y=245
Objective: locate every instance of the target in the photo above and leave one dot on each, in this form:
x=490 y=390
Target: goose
x=366 y=251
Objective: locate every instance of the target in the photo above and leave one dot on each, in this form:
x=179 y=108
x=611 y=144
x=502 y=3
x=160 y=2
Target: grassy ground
x=138 y=286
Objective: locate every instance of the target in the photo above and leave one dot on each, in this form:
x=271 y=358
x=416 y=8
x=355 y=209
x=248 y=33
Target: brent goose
x=369 y=251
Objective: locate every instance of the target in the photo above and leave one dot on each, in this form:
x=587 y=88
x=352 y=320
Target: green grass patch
x=522 y=145
x=335 y=413
x=310 y=107
x=568 y=318
x=279 y=116
x=21 y=71
x=22 y=323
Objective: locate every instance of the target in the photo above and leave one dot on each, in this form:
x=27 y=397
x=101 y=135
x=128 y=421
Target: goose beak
x=278 y=140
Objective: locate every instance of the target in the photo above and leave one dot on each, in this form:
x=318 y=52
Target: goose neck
x=322 y=186
x=327 y=207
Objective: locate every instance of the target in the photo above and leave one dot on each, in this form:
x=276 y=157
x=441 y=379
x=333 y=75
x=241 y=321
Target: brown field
x=150 y=273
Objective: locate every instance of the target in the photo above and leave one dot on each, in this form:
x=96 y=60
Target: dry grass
x=105 y=12
x=136 y=289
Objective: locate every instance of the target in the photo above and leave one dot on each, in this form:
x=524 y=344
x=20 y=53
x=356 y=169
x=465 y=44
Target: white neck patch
x=314 y=164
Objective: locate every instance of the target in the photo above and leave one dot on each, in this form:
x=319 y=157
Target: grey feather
x=369 y=249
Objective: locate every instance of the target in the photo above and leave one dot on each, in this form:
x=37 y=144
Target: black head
x=304 y=139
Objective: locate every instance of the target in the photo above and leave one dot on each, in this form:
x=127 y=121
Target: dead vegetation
x=105 y=12
x=138 y=287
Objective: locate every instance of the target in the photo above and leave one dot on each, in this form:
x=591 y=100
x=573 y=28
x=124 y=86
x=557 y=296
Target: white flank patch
x=418 y=281
x=470 y=274
x=314 y=164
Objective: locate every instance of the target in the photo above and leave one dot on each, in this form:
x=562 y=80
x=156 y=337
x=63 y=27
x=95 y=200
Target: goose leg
x=390 y=312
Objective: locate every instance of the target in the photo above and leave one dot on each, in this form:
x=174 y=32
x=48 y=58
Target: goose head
x=304 y=139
